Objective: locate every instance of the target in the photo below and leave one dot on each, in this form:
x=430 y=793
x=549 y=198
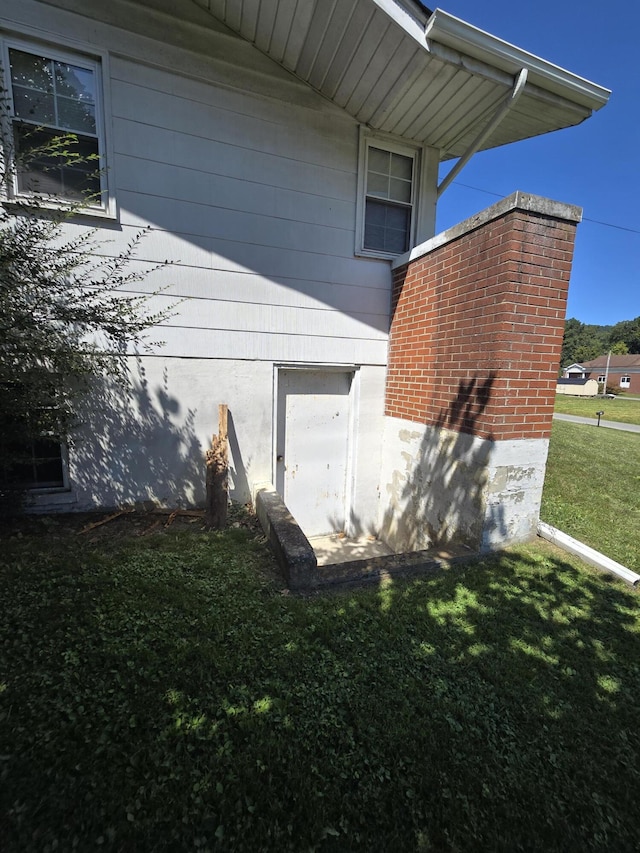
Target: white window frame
x=65 y=485
x=625 y=381
x=97 y=63
x=369 y=139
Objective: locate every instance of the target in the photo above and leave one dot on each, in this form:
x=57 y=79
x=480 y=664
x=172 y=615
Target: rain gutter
x=442 y=30
x=449 y=31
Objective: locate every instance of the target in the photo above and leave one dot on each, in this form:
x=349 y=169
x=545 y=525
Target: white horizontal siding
x=256 y=346
x=271 y=263
x=320 y=116
x=225 y=224
x=215 y=285
x=178 y=109
x=252 y=198
x=176 y=148
x=182 y=38
x=259 y=195
x=201 y=186
x=223 y=315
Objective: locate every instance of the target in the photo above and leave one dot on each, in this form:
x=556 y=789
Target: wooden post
x=217 y=474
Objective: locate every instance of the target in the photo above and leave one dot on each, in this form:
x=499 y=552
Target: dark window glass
x=39 y=465
x=386 y=227
x=50 y=99
x=54 y=175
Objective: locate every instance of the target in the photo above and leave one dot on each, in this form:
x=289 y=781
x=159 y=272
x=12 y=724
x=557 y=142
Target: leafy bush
x=64 y=315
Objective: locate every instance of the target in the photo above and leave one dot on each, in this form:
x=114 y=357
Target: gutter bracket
x=509 y=102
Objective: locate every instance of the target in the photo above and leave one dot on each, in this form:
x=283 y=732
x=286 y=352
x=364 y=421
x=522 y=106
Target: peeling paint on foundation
x=456 y=488
x=409 y=435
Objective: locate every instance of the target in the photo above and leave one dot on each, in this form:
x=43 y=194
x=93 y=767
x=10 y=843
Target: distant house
x=574 y=371
x=285 y=155
x=623 y=373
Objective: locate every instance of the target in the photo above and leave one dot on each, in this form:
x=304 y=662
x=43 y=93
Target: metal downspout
x=509 y=102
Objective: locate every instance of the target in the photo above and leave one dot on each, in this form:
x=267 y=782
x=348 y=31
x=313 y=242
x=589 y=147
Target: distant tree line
x=584 y=341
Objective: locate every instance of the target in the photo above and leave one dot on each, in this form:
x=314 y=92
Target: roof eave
x=445 y=29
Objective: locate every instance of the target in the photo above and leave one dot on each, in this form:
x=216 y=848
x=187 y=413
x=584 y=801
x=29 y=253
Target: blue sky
x=595 y=165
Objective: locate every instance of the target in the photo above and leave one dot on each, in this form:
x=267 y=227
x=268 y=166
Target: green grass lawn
x=592 y=489
x=163 y=693
x=621 y=409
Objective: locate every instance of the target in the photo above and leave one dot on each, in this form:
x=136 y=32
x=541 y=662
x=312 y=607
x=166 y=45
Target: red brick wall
x=477 y=327
x=614 y=377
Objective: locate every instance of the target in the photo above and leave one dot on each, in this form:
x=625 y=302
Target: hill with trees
x=584 y=341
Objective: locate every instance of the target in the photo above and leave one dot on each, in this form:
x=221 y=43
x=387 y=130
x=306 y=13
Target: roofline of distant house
x=613 y=362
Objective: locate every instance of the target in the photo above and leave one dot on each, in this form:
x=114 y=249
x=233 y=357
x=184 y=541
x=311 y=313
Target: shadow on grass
x=168 y=696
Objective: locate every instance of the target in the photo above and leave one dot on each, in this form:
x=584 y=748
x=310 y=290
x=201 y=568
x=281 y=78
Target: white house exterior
x=281 y=155
x=574 y=371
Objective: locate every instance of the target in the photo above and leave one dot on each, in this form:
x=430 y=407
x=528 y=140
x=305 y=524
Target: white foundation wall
x=514 y=491
x=438 y=486
x=363 y=511
x=147 y=442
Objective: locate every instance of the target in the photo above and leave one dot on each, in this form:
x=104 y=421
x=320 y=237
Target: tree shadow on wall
x=436 y=493
x=136 y=444
x=239 y=468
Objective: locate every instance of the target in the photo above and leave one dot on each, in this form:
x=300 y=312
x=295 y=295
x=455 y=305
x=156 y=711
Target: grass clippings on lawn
x=620 y=409
x=592 y=489
x=161 y=693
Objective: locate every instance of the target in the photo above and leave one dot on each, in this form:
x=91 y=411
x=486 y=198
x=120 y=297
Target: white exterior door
x=312 y=447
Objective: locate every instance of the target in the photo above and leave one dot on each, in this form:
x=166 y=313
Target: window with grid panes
x=53 y=96
x=388 y=201
x=37 y=464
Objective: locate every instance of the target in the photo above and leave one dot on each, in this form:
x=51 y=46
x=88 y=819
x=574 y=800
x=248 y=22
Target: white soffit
x=445 y=29
x=435 y=80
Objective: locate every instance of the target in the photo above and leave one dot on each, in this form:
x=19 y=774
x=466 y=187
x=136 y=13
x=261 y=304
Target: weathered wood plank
x=217 y=479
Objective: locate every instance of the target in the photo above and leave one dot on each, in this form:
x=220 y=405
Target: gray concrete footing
x=299 y=563
x=292 y=548
x=298 y=560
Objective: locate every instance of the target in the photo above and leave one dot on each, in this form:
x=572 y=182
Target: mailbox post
x=599 y=414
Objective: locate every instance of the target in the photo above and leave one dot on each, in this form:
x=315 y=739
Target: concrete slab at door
x=313 y=443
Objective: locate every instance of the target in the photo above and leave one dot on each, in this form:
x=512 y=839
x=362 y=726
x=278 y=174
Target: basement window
x=388 y=178
x=33 y=453
x=40 y=465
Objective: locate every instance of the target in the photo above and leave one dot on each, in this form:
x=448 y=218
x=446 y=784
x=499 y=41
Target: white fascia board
x=399 y=13
x=446 y=29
